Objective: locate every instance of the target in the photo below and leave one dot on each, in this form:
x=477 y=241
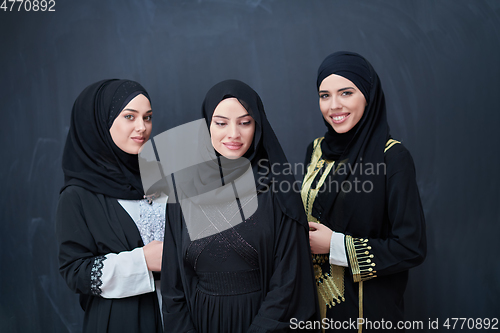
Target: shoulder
x=398 y=158
x=73 y=194
x=315 y=142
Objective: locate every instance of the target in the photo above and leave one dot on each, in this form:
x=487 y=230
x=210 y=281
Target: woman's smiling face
x=232 y=128
x=132 y=128
x=341 y=103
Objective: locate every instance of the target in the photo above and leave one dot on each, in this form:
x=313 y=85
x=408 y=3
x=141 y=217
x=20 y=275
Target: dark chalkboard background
x=439 y=62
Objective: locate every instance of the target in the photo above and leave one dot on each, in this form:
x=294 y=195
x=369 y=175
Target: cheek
x=215 y=136
x=361 y=108
x=323 y=107
x=149 y=128
x=250 y=133
x=117 y=131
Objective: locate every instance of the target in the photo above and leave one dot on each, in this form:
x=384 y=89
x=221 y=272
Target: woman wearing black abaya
x=110 y=237
x=236 y=255
x=362 y=201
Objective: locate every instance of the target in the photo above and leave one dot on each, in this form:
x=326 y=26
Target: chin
x=342 y=129
x=230 y=154
x=133 y=150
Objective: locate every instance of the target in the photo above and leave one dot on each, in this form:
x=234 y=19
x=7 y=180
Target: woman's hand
x=319 y=238
x=153 y=253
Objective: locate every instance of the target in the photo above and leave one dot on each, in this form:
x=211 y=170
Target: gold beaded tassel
x=330 y=285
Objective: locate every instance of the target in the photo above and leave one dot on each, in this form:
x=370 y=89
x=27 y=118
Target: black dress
x=89 y=226
x=249 y=278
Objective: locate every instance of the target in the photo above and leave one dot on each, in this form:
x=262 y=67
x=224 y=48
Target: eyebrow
x=341 y=89
x=248 y=114
x=132 y=110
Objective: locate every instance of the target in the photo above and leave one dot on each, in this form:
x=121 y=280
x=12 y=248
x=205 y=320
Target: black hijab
x=265 y=150
x=362 y=146
x=91 y=159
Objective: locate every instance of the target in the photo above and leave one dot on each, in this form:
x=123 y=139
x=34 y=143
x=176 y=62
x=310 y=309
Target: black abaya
x=89 y=226
x=219 y=275
x=90 y=223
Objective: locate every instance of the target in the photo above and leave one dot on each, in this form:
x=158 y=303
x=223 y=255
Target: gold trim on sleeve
x=361 y=259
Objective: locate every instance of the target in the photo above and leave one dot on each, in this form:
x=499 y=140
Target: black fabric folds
x=91 y=159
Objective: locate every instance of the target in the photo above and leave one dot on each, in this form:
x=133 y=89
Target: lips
x=233 y=145
x=339 y=118
x=139 y=139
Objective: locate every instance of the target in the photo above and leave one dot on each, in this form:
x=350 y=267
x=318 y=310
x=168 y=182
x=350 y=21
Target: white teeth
x=338 y=118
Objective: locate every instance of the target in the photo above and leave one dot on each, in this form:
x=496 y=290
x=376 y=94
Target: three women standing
x=361 y=198
x=235 y=268
x=110 y=238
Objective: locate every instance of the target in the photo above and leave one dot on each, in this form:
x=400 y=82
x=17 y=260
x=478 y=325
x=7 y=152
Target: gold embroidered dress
x=378 y=255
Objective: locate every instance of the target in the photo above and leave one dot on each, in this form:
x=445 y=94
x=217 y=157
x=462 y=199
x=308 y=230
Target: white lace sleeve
x=125 y=274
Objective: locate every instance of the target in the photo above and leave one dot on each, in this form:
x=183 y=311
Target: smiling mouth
x=340 y=118
x=233 y=145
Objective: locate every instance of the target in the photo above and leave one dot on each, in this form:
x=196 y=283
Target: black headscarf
x=362 y=146
x=91 y=159
x=265 y=150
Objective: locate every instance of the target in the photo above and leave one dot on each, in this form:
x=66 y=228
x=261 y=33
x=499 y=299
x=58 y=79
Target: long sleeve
x=83 y=265
x=338 y=255
x=176 y=316
x=405 y=247
x=79 y=262
x=126 y=274
x=291 y=292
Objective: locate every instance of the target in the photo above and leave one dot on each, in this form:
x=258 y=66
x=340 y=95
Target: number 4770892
x=28 y=5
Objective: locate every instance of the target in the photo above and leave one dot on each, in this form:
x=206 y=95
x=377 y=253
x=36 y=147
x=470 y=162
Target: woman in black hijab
x=236 y=255
x=103 y=222
x=362 y=201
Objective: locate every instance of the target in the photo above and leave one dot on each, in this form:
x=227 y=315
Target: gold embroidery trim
x=330 y=285
x=390 y=143
x=361 y=259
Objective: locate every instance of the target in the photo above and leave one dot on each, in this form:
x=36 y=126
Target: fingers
x=313 y=226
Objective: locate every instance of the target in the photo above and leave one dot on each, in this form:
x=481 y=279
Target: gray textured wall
x=438 y=62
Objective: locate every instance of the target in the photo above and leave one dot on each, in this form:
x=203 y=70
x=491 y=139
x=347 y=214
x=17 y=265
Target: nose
x=233 y=131
x=140 y=126
x=335 y=103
